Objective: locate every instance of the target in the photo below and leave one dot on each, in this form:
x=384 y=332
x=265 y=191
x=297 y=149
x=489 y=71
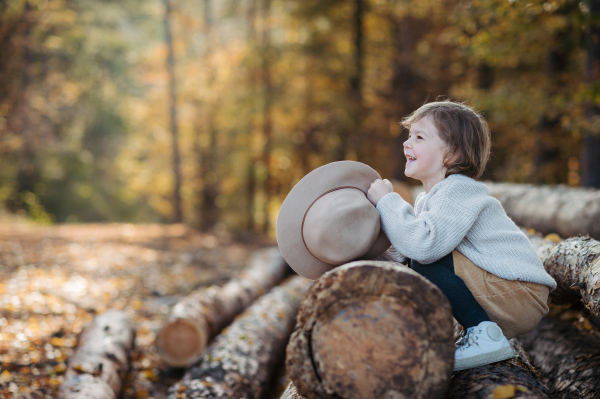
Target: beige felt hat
x=326 y=220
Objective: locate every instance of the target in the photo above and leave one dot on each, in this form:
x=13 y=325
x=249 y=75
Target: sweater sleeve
x=434 y=233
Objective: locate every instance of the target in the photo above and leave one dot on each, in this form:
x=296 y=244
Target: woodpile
x=238 y=364
x=367 y=329
x=372 y=329
x=201 y=315
x=563 y=210
x=99 y=366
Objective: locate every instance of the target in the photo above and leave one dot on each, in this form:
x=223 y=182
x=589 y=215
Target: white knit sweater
x=458 y=213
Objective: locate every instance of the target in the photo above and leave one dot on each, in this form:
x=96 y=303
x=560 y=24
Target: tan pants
x=516 y=306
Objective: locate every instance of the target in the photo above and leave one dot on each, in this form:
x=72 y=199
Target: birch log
x=575 y=266
x=99 y=365
x=568 y=358
x=372 y=329
x=563 y=210
x=201 y=315
x=239 y=362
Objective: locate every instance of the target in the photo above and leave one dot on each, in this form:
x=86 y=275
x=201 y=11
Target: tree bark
x=590 y=149
x=575 y=265
x=291 y=392
x=372 y=329
x=511 y=376
x=238 y=364
x=99 y=365
x=568 y=358
x=201 y=315
x=551 y=209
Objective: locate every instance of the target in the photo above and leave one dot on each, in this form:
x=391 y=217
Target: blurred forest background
x=209 y=111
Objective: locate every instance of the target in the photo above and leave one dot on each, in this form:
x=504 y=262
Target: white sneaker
x=483 y=344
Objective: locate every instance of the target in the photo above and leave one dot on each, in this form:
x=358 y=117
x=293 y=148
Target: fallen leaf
x=505 y=391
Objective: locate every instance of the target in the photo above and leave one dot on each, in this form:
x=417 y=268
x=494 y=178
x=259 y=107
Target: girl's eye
x=419 y=137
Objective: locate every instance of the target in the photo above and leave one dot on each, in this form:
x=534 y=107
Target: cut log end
x=180 y=341
x=347 y=342
x=371 y=329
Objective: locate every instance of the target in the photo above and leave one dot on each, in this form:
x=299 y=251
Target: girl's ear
x=451 y=156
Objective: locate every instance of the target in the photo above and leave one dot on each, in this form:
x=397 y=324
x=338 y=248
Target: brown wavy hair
x=464 y=130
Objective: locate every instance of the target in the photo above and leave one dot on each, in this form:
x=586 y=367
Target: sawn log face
x=372 y=329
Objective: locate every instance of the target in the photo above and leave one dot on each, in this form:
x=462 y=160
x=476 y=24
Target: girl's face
x=424 y=151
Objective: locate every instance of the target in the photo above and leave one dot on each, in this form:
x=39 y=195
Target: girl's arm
x=432 y=235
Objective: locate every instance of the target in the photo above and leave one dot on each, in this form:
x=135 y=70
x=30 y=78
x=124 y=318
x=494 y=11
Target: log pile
x=372 y=329
x=99 y=366
x=201 y=315
x=239 y=362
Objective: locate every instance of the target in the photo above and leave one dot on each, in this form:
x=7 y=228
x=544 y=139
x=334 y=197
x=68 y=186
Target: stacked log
x=372 y=329
x=99 y=365
x=575 y=266
x=201 y=315
x=568 y=358
x=564 y=210
x=239 y=362
x=500 y=380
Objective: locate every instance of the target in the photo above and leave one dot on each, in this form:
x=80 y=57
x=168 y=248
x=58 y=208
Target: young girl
x=459 y=237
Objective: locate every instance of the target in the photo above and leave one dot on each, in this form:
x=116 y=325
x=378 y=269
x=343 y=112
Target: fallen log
x=575 y=266
x=372 y=329
x=201 y=315
x=568 y=358
x=502 y=379
x=99 y=365
x=240 y=361
x=567 y=211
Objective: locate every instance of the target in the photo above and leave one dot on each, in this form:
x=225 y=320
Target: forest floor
x=53 y=280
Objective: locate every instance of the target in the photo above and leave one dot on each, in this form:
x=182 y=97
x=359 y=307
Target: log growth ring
x=400 y=322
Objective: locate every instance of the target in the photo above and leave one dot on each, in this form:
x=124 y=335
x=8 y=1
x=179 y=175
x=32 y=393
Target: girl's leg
x=465 y=308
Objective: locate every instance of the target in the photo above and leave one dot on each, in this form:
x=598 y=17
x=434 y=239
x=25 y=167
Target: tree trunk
x=568 y=358
x=99 y=365
x=267 y=111
x=178 y=213
x=201 y=315
x=238 y=364
x=590 y=149
x=560 y=209
x=372 y=329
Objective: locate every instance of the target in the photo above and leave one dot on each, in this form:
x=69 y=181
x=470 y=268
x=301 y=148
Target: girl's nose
x=406 y=143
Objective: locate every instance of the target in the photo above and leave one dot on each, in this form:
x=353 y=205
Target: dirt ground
x=53 y=280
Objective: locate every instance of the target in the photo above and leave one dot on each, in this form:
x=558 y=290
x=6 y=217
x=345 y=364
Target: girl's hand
x=378 y=189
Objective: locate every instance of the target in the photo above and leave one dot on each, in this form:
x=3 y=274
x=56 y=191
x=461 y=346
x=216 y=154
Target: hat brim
x=299 y=199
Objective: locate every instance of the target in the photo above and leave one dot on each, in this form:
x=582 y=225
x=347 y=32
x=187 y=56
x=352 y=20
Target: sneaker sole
x=484 y=358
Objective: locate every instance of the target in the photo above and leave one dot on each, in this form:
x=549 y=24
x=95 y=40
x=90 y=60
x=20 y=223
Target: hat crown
x=341 y=226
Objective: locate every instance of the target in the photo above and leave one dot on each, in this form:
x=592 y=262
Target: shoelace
x=468 y=340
